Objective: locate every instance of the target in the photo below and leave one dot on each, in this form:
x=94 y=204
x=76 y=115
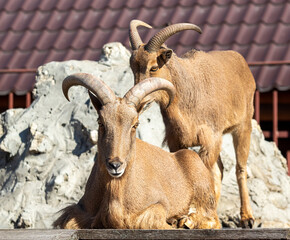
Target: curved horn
x=134 y=36
x=159 y=38
x=94 y=84
x=137 y=93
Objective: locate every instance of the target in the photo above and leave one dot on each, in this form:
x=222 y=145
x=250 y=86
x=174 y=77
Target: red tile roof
x=34 y=32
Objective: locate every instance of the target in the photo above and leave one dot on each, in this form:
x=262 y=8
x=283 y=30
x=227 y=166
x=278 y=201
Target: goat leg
x=199 y=218
x=154 y=217
x=217 y=171
x=241 y=138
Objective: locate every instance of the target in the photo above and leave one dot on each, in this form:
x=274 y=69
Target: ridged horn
x=159 y=38
x=135 y=39
x=137 y=93
x=92 y=83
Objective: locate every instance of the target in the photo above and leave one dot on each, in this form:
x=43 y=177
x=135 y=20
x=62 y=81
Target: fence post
x=275 y=117
x=11 y=100
x=28 y=99
x=257 y=106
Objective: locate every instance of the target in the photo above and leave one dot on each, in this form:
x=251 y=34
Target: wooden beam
x=88 y=234
x=38 y=234
x=186 y=234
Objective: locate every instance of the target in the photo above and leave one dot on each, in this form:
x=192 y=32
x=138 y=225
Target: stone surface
x=47 y=151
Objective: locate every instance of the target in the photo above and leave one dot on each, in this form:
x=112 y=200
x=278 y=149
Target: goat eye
x=154 y=69
x=100 y=122
x=135 y=125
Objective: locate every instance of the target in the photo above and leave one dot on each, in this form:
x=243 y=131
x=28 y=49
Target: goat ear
x=95 y=101
x=144 y=105
x=165 y=55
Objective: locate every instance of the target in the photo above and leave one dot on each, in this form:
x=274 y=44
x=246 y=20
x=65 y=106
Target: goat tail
x=73 y=217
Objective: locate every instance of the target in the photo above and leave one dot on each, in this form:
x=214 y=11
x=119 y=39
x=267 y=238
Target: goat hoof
x=247 y=223
x=189 y=224
x=185 y=222
x=173 y=222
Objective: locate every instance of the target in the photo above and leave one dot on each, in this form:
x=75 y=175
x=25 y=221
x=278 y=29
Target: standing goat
x=214 y=96
x=134 y=184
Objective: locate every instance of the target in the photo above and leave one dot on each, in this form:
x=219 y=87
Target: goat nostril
x=115 y=165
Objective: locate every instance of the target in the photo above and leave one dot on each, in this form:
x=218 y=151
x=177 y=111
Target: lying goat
x=135 y=185
x=214 y=96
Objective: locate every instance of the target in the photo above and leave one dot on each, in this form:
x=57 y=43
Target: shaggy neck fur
x=111 y=209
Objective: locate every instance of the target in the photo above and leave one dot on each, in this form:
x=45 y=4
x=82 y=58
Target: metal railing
x=18 y=70
x=11 y=94
x=275 y=133
x=269 y=63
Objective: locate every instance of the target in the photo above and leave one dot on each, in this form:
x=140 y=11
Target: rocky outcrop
x=47 y=151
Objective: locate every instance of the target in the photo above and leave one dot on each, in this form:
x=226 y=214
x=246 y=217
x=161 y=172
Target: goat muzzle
x=115 y=167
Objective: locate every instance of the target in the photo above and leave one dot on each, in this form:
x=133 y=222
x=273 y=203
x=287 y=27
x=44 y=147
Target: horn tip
x=67 y=98
x=139 y=23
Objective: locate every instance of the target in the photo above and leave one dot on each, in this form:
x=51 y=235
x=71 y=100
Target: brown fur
x=156 y=186
x=214 y=96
